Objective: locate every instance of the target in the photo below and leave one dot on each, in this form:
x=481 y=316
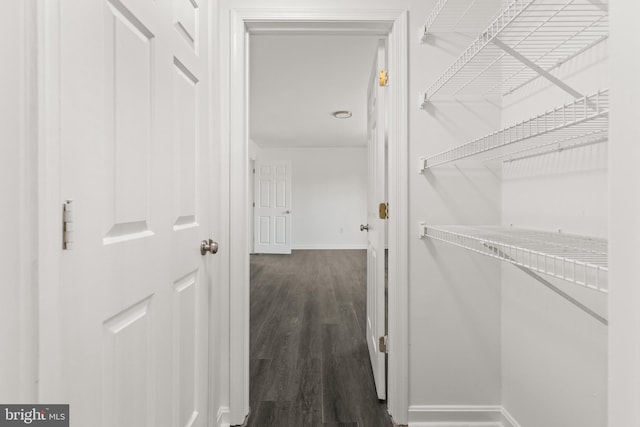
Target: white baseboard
x=223 y=417
x=456 y=424
x=330 y=246
x=460 y=416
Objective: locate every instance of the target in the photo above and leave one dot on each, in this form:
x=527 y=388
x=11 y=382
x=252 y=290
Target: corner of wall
x=507 y=419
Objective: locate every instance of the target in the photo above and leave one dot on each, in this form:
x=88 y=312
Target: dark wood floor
x=309 y=359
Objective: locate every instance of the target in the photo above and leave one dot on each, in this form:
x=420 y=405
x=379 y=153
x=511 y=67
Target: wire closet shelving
x=529 y=39
x=576 y=259
x=459 y=16
x=583 y=121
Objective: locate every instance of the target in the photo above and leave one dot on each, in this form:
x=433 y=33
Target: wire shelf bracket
x=529 y=39
x=582 y=121
x=543 y=73
x=576 y=259
x=426 y=28
x=553 y=288
x=597 y=3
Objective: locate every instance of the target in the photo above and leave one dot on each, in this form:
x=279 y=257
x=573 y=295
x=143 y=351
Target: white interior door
x=376 y=309
x=133 y=306
x=272 y=212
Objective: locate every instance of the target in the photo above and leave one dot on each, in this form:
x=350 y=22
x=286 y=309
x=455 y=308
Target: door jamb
x=26 y=324
x=235 y=142
x=49 y=201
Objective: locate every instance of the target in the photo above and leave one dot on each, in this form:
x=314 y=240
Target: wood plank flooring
x=309 y=359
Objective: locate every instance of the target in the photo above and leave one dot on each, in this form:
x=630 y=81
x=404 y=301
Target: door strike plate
x=384 y=77
x=383 y=210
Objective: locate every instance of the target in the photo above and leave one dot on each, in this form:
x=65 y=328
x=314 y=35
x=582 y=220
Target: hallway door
x=272 y=207
x=376 y=304
x=133 y=307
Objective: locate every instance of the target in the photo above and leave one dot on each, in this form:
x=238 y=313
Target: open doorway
x=316 y=111
x=390 y=23
x=297 y=83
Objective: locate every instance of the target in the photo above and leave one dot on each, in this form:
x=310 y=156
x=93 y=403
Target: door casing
x=392 y=23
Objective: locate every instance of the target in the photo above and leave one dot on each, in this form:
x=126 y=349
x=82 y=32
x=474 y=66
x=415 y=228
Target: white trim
x=222 y=419
x=460 y=416
x=236 y=144
x=325 y=28
x=328 y=247
x=28 y=202
x=49 y=201
x=457 y=424
x=238 y=149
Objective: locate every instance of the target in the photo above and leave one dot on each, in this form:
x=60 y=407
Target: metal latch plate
x=383 y=210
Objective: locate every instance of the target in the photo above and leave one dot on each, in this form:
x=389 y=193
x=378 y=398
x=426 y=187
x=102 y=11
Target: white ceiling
x=297 y=81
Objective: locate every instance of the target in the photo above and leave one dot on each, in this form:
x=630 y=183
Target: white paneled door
x=376 y=304
x=272 y=212
x=135 y=159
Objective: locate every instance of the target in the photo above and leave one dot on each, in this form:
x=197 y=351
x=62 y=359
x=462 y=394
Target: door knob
x=208 y=246
x=287 y=212
x=364 y=227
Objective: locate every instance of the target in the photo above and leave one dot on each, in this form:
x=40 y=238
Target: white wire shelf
x=582 y=121
x=541 y=33
x=576 y=259
x=465 y=16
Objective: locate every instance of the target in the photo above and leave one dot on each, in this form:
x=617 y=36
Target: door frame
x=49 y=201
x=24 y=315
x=235 y=141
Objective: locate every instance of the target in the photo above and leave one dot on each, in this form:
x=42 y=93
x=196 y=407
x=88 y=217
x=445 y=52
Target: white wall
x=624 y=220
x=454 y=308
x=554 y=356
x=254 y=150
x=329 y=195
x=18 y=176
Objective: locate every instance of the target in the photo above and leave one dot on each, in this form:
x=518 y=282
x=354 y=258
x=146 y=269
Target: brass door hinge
x=382 y=344
x=383 y=210
x=384 y=77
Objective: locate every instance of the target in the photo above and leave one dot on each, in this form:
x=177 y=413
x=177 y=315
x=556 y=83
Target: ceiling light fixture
x=342 y=114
